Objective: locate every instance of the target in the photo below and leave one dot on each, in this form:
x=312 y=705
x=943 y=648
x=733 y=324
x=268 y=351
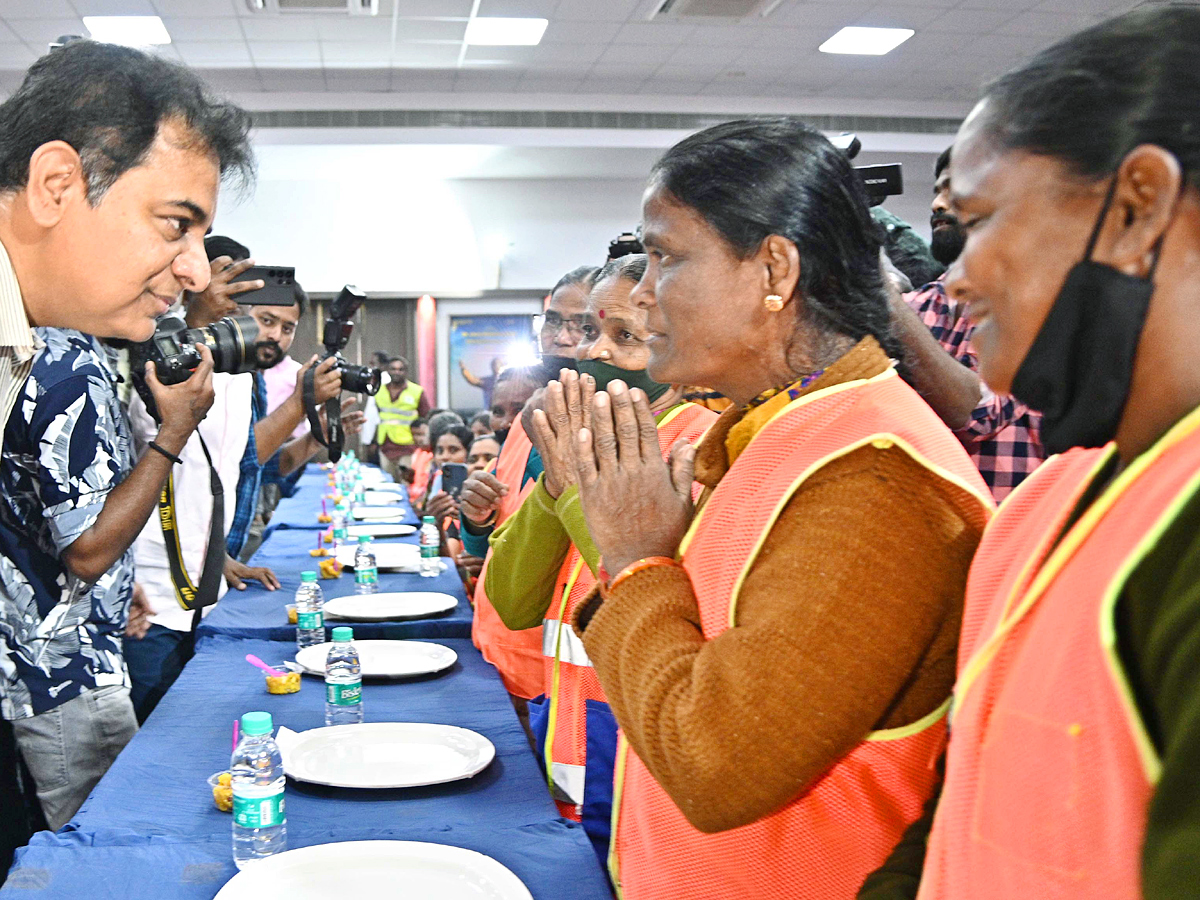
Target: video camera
x=880 y=182
x=356 y=379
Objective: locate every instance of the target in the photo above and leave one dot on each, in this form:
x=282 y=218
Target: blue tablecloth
x=554 y=859
x=150 y=824
x=301 y=509
x=259 y=614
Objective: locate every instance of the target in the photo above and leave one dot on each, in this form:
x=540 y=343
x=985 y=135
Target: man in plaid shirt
x=1000 y=433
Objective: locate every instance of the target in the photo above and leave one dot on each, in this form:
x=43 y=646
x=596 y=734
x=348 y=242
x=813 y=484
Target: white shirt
x=18 y=344
x=225 y=430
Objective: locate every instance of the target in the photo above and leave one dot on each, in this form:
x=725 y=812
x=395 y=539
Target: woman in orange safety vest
x=780 y=661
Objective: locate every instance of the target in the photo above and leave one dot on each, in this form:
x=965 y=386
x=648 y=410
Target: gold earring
x=773 y=302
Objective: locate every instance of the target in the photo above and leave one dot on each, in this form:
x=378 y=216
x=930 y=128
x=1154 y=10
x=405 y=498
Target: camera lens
x=231 y=341
x=360 y=379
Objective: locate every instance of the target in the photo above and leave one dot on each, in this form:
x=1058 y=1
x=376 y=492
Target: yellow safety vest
x=396 y=416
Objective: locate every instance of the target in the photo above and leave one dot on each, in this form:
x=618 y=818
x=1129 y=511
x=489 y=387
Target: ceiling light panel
x=132 y=31
x=866 y=41
x=495 y=31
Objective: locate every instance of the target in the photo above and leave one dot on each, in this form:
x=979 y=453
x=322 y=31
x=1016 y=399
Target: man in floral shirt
x=71 y=503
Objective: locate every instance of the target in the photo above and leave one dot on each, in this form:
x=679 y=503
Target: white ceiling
x=592 y=49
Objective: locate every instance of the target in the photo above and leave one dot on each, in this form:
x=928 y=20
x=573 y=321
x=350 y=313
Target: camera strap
x=188 y=595
x=333 y=415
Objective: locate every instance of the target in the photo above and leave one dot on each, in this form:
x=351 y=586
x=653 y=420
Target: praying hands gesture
x=556 y=428
x=636 y=505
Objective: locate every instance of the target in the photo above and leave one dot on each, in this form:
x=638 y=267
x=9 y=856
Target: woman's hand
x=481 y=496
x=636 y=505
x=441 y=506
x=557 y=427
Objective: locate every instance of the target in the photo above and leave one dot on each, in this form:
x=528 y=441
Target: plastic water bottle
x=366 y=573
x=343 y=680
x=310 y=612
x=340 y=533
x=256 y=771
x=431 y=564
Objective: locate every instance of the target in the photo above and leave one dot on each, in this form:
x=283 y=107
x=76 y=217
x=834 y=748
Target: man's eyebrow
x=197 y=212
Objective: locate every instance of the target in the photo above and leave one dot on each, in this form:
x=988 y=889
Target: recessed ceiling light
x=497 y=31
x=132 y=31
x=866 y=41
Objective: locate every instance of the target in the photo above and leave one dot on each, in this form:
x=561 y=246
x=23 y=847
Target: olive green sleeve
x=527 y=552
x=570 y=514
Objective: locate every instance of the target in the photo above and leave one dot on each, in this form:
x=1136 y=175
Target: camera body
x=336 y=334
x=880 y=182
x=172 y=348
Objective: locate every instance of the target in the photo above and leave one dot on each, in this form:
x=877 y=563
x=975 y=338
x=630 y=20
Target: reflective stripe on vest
x=396 y=416
x=825 y=842
x=1051 y=770
x=517 y=655
x=569 y=676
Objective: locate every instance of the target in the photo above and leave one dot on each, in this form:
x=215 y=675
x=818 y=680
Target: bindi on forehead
x=601 y=313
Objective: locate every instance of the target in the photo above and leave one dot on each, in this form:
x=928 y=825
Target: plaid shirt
x=253 y=476
x=1002 y=435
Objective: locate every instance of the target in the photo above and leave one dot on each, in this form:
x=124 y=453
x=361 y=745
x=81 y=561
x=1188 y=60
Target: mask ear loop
x=1108 y=199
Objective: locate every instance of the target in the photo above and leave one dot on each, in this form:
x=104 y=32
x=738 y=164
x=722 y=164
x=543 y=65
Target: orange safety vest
x=1051 y=768
x=828 y=839
x=422 y=466
x=569 y=677
x=517 y=655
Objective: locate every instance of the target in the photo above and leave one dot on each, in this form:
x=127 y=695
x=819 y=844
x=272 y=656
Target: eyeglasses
x=553 y=322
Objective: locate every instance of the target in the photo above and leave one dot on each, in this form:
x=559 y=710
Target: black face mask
x=502 y=435
x=1078 y=371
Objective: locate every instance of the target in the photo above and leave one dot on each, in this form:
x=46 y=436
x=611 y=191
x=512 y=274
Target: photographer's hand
x=129 y=504
x=217 y=299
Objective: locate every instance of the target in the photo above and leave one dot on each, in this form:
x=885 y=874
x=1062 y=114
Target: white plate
x=389 y=486
x=385 y=754
x=381 y=498
x=377 y=870
x=385 y=659
x=388 y=606
x=402 y=557
x=381 y=529
x=391 y=513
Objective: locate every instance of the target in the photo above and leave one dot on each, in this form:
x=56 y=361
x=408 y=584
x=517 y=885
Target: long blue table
x=151 y=824
x=259 y=614
x=301 y=509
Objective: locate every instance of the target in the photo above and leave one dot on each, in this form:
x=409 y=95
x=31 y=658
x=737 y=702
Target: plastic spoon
x=255 y=661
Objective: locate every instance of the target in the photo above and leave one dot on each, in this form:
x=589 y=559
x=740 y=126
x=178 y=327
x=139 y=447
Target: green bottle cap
x=308 y=576
x=343 y=634
x=364 y=539
x=257 y=723
x=429 y=520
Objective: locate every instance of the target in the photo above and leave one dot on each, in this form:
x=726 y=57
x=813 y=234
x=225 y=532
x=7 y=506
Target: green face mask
x=604 y=373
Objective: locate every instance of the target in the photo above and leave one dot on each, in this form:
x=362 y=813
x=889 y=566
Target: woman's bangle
x=649 y=562
x=171 y=456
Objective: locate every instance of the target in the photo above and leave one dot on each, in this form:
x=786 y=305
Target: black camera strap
x=188 y=595
x=333 y=415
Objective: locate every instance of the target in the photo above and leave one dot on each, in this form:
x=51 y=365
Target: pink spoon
x=255 y=661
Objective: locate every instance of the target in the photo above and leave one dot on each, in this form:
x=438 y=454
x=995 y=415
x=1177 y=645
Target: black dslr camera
x=356 y=379
x=880 y=182
x=173 y=351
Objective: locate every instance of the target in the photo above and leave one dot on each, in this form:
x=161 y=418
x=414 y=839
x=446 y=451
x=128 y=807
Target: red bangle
x=647 y=563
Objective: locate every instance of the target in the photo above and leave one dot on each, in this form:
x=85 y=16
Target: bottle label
x=258 y=806
x=309 y=621
x=366 y=575
x=343 y=693
x=429 y=551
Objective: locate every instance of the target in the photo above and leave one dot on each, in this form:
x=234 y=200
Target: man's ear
x=55 y=181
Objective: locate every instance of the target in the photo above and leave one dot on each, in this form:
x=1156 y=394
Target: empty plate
x=385 y=659
x=381 y=498
x=384 y=754
x=387 y=556
x=379 y=512
x=381 y=529
x=376 y=870
x=388 y=606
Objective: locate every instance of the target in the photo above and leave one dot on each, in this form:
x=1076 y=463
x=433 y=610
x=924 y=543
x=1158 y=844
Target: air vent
x=351 y=7
x=712 y=9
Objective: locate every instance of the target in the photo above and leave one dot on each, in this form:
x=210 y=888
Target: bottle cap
x=308 y=576
x=257 y=723
x=364 y=539
x=429 y=520
x=343 y=634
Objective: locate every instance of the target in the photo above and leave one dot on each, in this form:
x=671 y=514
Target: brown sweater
x=847 y=622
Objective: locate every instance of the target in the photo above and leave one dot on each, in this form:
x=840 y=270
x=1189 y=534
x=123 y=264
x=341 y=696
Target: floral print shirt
x=66 y=445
